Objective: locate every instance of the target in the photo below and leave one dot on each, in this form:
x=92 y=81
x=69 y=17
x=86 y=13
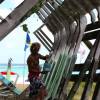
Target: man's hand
x=44 y=72
x=47 y=57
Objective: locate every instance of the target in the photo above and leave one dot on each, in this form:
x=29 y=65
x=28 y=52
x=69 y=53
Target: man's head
x=35 y=47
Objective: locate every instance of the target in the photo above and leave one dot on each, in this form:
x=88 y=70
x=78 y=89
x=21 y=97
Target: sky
x=12 y=46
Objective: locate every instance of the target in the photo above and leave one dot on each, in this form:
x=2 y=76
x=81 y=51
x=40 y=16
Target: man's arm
x=43 y=57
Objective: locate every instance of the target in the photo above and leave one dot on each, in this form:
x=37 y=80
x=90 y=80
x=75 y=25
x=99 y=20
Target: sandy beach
x=22 y=86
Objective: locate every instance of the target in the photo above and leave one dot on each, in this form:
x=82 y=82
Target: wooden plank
x=68 y=42
x=48 y=38
x=66 y=48
x=14 y=19
x=80 y=31
x=91 y=35
x=42 y=42
x=75 y=77
x=55 y=61
x=40 y=16
x=92 y=26
x=98 y=10
x=96 y=94
x=54 y=79
x=79 y=67
x=43 y=39
x=59 y=50
x=92 y=71
x=85 y=68
x=96 y=5
x=55 y=46
x=54 y=55
x=88 y=44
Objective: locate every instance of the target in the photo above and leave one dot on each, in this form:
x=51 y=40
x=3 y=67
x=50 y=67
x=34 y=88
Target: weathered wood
x=92 y=72
x=88 y=44
x=42 y=41
x=85 y=68
x=44 y=14
x=14 y=19
x=77 y=38
x=40 y=16
x=96 y=94
x=75 y=77
x=79 y=67
x=92 y=26
x=98 y=10
x=44 y=34
x=91 y=35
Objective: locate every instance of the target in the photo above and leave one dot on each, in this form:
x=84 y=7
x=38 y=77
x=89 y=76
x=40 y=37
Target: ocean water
x=21 y=71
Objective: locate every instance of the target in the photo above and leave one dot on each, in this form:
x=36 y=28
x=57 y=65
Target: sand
x=22 y=86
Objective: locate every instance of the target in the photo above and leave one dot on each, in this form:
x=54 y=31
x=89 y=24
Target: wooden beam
x=79 y=67
x=85 y=68
x=75 y=77
x=92 y=26
x=14 y=19
x=90 y=35
x=88 y=44
x=91 y=31
x=42 y=41
x=96 y=94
